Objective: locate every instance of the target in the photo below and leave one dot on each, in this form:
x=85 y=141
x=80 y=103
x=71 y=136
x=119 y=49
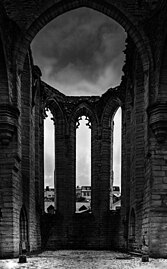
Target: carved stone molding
x=158 y=121
x=8 y=122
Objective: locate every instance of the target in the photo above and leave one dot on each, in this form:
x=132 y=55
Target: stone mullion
x=60 y=168
x=95 y=170
x=104 y=184
x=105 y=169
x=70 y=173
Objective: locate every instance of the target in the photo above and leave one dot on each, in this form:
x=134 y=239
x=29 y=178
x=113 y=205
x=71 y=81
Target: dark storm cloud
x=80 y=46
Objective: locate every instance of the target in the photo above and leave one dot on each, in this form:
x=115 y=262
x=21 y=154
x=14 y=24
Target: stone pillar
x=9 y=179
x=158 y=180
x=95 y=169
x=62 y=175
x=105 y=170
x=101 y=154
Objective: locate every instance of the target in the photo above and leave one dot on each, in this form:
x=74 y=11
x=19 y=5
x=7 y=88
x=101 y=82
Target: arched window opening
x=115 y=164
x=132 y=225
x=23 y=231
x=83 y=164
x=49 y=164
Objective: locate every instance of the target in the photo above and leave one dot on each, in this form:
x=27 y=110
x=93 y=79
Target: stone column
x=158 y=181
x=62 y=175
x=9 y=179
x=101 y=151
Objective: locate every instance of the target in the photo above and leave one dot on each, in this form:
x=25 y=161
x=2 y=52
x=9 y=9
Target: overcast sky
x=80 y=53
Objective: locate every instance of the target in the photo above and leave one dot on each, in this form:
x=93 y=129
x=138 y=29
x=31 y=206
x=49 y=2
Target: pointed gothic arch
x=83 y=109
x=113 y=102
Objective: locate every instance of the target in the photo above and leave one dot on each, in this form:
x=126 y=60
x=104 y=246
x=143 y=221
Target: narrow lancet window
x=115 y=173
x=49 y=164
x=83 y=164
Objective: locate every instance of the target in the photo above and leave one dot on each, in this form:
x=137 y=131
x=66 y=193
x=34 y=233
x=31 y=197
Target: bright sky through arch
x=83 y=154
x=117 y=148
x=49 y=150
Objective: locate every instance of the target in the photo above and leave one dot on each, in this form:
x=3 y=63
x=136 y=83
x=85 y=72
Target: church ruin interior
x=25 y=99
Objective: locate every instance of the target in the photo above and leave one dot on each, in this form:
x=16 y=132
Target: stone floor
x=83 y=260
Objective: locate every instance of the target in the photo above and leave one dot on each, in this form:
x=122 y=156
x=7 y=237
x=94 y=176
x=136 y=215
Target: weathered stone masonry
x=142 y=95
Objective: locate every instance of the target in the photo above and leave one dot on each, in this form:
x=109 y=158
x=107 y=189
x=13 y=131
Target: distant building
x=83 y=198
x=49 y=197
x=116 y=190
x=49 y=193
x=86 y=192
x=116 y=198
